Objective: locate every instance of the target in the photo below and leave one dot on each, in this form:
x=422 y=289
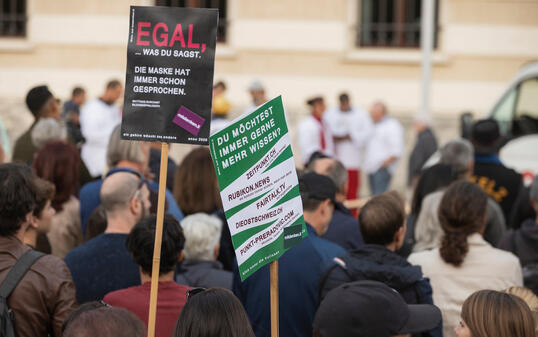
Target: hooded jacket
x=377 y=263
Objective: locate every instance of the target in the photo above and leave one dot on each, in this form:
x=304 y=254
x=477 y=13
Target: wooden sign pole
x=273 y=271
x=158 y=241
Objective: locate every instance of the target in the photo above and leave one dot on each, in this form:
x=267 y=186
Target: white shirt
x=387 y=140
x=309 y=140
x=483 y=267
x=357 y=124
x=97 y=121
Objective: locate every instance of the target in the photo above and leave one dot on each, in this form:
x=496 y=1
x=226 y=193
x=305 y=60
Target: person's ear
x=216 y=251
x=180 y=256
x=32 y=220
x=135 y=205
x=399 y=236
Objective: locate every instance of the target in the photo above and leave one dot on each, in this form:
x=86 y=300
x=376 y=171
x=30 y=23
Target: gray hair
x=46 y=130
x=202 y=233
x=534 y=189
x=119 y=150
x=335 y=170
x=459 y=154
x=117 y=190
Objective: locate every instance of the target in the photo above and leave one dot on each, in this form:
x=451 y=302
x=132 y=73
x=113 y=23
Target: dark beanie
x=37 y=97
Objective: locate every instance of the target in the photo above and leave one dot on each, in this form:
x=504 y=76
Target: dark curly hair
x=17 y=197
x=461 y=213
x=141 y=240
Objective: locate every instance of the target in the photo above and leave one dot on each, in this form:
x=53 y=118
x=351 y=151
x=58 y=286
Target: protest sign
x=259 y=186
x=169 y=77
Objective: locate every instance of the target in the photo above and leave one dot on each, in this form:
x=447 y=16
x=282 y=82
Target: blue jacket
x=298 y=272
x=102 y=265
x=90 y=199
x=344 y=229
x=377 y=263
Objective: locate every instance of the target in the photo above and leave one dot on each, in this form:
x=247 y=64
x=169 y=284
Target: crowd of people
x=77 y=228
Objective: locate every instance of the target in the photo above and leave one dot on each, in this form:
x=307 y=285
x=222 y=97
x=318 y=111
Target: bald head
x=378 y=111
x=117 y=190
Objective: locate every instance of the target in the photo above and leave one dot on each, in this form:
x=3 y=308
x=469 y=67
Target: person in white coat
x=385 y=147
x=98 y=118
x=351 y=128
x=313 y=134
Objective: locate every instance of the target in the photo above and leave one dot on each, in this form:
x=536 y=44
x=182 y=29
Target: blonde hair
x=530 y=298
x=490 y=313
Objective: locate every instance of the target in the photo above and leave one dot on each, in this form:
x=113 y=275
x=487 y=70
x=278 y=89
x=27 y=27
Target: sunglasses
x=194 y=291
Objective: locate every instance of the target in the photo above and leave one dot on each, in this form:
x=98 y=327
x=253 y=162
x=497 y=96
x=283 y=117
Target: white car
x=517 y=114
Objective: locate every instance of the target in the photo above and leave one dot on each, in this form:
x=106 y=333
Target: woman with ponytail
x=465 y=262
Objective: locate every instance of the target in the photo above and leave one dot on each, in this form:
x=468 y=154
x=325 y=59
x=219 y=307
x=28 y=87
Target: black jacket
x=524 y=244
x=377 y=263
x=205 y=274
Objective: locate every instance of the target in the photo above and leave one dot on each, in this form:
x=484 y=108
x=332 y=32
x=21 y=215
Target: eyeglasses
x=194 y=291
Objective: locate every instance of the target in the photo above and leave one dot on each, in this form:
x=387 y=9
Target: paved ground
x=17 y=119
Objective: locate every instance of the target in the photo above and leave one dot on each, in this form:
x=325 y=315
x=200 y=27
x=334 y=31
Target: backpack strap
x=18 y=271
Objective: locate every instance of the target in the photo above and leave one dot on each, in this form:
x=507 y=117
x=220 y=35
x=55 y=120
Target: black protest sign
x=169 y=78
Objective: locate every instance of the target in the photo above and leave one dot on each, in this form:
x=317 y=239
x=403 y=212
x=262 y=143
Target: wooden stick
x=273 y=270
x=158 y=242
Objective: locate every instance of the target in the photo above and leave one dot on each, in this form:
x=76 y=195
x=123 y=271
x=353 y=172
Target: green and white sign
x=259 y=186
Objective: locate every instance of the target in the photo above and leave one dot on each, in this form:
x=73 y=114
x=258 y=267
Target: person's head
x=317 y=193
x=59 y=163
x=317 y=106
x=141 y=241
x=17 y=198
x=43 y=210
x=528 y=297
x=421 y=122
x=78 y=96
x=125 y=198
x=257 y=92
x=430 y=180
x=533 y=193
x=459 y=154
x=113 y=91
x=335 y=170
x=489 y=313
x=382 y=220
x=370 y=308
x=202 y=235
x=195 y=183
x=378 y=111
x=219 y=88
x=99 y=319
x=486 y=136
x=133 y=153
x=462 y=212
x=213 y=312
x=42 y=103
x=47 y=130
x=345 y=104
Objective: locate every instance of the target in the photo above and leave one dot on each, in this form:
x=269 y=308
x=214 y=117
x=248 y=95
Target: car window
x=527 y=101
x=504 y=111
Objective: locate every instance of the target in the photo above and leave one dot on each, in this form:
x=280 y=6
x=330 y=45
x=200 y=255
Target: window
x=391 y=23
x=220 y=4
x=504 y=111
x=13 y=18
